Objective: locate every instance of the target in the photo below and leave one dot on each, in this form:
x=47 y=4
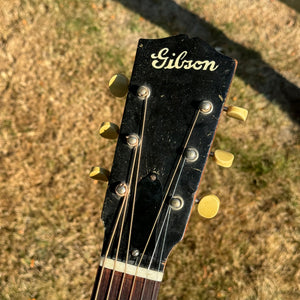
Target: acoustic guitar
x=176 y=95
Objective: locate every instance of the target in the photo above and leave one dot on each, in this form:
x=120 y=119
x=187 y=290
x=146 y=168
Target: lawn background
x=56 y=58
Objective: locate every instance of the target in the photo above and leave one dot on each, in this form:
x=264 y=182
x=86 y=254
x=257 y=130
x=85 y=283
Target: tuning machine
x=223 y=158
x=236 y=112
x=109 y=130
x=208 y=206
x=118 y=85
x=98 y=173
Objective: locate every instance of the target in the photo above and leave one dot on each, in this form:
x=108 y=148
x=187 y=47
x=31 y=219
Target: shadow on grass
x=252 y=69
x=295 y=4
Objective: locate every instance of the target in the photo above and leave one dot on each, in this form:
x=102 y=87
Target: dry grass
x=55 y=60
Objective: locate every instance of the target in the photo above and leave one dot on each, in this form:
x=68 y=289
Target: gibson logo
x=162 y=61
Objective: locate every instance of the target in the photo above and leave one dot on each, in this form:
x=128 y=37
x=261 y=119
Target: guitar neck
x=113 y=285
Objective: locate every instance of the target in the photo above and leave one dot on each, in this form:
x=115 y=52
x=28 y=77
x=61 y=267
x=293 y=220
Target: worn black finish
x=176 y=94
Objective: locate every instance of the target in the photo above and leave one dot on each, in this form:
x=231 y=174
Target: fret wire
x=164 y=199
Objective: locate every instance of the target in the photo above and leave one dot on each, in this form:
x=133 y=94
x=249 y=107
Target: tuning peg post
x=208 y=206
x=236 y=112
x=223 y=158
x=118 y=85
x=98 y=173
x=109 y=130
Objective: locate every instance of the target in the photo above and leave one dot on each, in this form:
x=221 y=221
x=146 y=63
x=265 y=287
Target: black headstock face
x=176 y=95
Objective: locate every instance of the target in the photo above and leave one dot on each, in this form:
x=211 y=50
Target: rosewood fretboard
x=143 y=289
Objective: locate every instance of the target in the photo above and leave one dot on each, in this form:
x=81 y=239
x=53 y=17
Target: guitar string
x=153 y=291
x=158 y=238
x=134 y=192
x=118 y=248
x=164 y=239
x=130 y=181
x=163 y=202
x=116 y=224
x=123 y=222
x=167 y=217
x=122 y=225
x=109 y=245
x=178 y=177
x=143 y=289
x=118 y=218
x=133 y=208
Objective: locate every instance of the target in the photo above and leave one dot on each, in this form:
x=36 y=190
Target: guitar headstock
x=175 y=98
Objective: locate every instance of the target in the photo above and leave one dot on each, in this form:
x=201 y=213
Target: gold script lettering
x=161 y=60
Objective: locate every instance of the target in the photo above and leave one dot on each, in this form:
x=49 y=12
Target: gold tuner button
x=109 y=130
x=237 y=112
x=118 y=85
x=208 y=206
x=98 y=173
x=223 y=158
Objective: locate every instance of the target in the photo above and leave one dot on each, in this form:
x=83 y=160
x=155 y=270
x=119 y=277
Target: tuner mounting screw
x=143 y=92
x=121 y=189
x=132 y=140
x=135 y=252
x=176 y=203
x=191 y=154
x=153 y=177
x=206 y=107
